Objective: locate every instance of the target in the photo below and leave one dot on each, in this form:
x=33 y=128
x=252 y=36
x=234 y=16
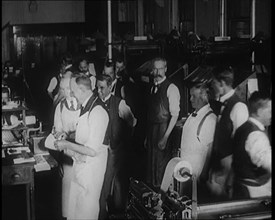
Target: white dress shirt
x=258 y=147
x=195 y=149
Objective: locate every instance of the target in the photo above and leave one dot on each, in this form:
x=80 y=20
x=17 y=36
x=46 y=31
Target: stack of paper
x=41 y=163
x=23 y=155
x=23 y=160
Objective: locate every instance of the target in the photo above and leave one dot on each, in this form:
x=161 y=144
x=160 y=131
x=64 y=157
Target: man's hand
x=61 y=144
x=60 y=136
x=76 y=156
x=162 y=143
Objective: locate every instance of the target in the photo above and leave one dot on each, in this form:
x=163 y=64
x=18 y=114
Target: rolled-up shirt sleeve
x=126 y=114
x=238 y=115
x=258 y=148
x=52 y=85
x=173 y=96
x=98 y=122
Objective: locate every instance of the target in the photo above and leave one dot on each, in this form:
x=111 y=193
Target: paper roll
x=176 y=168
x=181 y=171
x=168 y=174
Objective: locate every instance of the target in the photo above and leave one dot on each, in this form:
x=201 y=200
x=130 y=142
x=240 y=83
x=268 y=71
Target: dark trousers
x=157 y=159
x=112 y=198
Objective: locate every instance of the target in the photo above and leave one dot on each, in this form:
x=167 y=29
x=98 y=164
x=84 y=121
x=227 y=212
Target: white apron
x=87 y=179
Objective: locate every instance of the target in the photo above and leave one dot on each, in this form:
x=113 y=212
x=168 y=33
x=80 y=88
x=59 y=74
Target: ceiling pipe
x=222 y=18
x=109 y=31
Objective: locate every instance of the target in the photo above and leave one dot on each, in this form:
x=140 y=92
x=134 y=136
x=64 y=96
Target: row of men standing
x=101 y=123
x=224 y=141
x=163 y=112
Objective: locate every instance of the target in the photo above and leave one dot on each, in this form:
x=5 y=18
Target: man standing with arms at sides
x=252 y=151
x=233 y=114
x=118 y=133
x=89 y=152
x=163 y=112
x=198 y=132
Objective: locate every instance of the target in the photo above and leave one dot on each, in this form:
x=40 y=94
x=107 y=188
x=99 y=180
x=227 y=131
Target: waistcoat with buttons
x=223 y=142
x=117 y=127
x=158 y=110
x=242 y=164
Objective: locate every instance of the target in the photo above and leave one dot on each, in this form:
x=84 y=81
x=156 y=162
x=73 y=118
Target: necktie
x=223 y=104
x=72 y=105
x=194 y=114
x=154 y=89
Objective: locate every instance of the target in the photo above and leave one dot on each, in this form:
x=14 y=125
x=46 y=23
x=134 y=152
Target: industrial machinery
x=172 y=202
x=169 y=203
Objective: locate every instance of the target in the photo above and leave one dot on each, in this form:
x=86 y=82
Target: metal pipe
x=253 y=18
x=222 y=14
x=195 y=16
x=109 y=31
x=253 y=27
x=194 y=197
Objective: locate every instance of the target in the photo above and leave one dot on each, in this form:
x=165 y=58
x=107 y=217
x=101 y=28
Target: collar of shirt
x=114 y=82
x=256 y=122
x=85 y=102
x=202 y=110
x=68 y=66
x=227 y=95
x=159 y=82
x=107 y=97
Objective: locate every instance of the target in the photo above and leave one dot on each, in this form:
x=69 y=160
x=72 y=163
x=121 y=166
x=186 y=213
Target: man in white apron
x=88 y=151
x=65 y=121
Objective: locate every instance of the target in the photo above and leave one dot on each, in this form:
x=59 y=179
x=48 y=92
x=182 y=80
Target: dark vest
x=118 y=87
x=158 y=106
x=223 y=143
x=243 y=167
x=92 y=102
x=117 y=127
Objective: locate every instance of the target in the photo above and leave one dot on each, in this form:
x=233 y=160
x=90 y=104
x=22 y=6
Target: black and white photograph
x=136 y=109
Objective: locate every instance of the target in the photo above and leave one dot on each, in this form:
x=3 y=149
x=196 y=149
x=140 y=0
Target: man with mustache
x=162 y=115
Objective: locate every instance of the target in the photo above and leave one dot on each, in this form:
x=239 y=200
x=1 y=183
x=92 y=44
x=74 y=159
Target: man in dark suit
x=118 y=133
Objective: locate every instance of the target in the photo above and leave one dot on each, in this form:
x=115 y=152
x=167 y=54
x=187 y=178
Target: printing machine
x=146 y=203
x=174 y=201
